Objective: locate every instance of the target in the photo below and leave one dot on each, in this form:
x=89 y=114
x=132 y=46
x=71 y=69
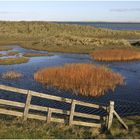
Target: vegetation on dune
x=11 y=75
x=116 y=55
x=1 y=55
x=11 y=61
x=35 y=54
x=75 y=44
x=12 y=128
x=84 y=79
x=63 y=37
x=5 y=48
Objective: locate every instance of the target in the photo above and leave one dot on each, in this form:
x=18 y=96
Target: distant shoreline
x=120 y=22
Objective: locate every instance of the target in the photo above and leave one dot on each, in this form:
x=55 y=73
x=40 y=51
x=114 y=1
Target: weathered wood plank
x=38 y=108
x=60 y=111
x=11 y=112
x=49 y=115
x=27 y=106
x=58 y=120
x=84 y=115
x=11 y=103
x=110 y=115
x=88 y=104
x=43 y=108
x=87 y=124
x=120 y=120
x=37 y=117
x=46 y=96
x=72 y=112
x=13 y=89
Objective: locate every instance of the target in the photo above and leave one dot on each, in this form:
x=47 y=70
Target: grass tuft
x=12 y=61
x=11 y=75
x=35 y=54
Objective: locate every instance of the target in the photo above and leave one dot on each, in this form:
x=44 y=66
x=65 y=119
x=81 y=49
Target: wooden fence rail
x=67 y=116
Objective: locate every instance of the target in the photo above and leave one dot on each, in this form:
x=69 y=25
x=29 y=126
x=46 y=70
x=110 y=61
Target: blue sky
x=71 y=11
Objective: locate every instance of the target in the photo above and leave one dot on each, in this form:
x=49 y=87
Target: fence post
x=27 y=106
x=110 y=114
x=49 y=115
x=72 y=112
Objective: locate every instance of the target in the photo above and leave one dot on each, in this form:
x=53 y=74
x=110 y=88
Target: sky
x=112 y=11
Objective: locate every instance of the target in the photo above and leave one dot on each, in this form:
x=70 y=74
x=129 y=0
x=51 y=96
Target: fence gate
x=28 y=110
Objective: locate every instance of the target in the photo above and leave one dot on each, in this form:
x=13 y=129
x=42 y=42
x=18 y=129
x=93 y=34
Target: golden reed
x=116 y=55
x=83 y=79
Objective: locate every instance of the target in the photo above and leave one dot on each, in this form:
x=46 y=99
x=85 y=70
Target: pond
x=127 y=97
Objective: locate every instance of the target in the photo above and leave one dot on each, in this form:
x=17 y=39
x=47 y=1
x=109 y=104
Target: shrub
x=84 y=79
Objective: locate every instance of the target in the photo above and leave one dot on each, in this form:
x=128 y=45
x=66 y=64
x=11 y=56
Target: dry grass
x=11 y=75
x=35 y=54
x=12 y=53
x=11 y=61
x=116 y=55
x=84 y=79
x=5 y=48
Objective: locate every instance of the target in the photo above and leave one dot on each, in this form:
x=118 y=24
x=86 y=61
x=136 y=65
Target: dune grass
x=63 y=37
x=11 y=61
x=83 y=79
x=14 y=128
x=11 y=75
x=35 y=54
x=116 y=55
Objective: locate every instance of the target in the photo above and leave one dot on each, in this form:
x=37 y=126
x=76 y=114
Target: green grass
x=11 y=61
x=13 y=128
x=63 y=37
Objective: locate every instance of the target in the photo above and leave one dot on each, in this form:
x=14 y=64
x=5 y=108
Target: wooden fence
x=70 y=115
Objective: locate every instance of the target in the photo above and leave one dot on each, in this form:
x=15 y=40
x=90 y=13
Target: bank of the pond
x=12 y=128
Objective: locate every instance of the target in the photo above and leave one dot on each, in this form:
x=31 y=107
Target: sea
x=109 y=25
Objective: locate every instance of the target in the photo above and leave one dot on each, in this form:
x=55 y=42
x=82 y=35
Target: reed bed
x=116 y=55
x=83 y=79
x=11 y=75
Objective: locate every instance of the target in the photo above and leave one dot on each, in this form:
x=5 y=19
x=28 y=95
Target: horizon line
x=68 y=21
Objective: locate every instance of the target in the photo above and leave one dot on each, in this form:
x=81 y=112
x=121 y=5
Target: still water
x=127 y=97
